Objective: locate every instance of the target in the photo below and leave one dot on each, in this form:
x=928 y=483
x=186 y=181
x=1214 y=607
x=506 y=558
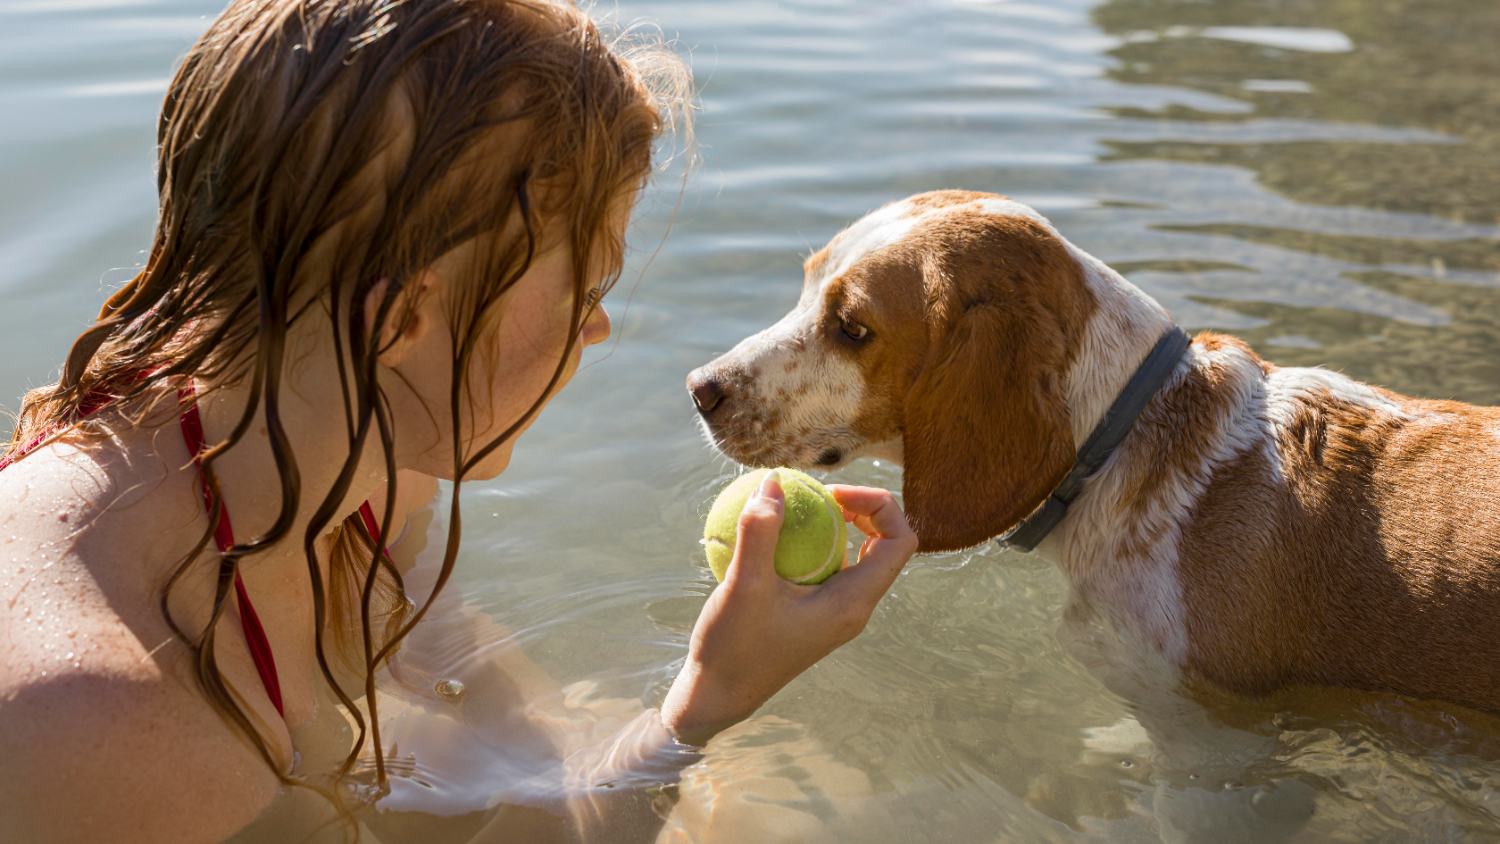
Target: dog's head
x=939 y=332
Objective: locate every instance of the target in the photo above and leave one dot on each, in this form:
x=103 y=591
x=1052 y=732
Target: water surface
x=1317 y=178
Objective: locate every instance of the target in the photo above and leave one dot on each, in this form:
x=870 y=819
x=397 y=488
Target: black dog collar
x=1107 y=436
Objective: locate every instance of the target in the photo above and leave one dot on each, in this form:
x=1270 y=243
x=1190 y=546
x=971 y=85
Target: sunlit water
x=1319 y=178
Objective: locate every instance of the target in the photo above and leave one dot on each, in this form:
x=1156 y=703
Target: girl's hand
x=758 y=630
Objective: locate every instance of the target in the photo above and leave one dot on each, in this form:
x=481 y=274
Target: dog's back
x=1363 y=552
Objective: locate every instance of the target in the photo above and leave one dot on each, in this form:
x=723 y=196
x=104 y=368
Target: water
x=1318 y=178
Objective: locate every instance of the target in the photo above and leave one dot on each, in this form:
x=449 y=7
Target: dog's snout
x=707 y=391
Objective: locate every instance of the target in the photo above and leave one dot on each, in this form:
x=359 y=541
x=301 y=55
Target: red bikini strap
x=89 y=406
x=192 y=432
x=367 y=514
x=7 y=460
x=255 y=635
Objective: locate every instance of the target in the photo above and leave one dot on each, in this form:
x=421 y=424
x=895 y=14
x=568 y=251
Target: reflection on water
x=1429 y=66
x=1319 y=178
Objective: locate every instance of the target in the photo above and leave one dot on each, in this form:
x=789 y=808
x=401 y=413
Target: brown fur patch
x=1174 y=435
x=984 y=420
x=1373 y=564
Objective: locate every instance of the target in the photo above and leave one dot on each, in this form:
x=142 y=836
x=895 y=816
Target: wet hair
x=312 y=152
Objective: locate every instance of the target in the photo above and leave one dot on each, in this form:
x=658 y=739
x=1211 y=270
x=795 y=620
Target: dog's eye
x=853 y=330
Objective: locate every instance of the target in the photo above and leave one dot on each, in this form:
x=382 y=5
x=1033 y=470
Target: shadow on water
x=1414 y=65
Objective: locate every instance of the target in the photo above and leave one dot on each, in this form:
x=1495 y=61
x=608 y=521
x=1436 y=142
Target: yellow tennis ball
x=810 y=547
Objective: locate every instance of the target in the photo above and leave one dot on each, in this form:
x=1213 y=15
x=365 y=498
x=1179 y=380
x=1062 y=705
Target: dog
x=1257 y=526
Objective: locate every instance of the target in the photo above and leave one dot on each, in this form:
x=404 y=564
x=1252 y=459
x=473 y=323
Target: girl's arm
x=756 y=633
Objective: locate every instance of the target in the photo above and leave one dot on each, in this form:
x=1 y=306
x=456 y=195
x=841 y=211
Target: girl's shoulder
x=103 y=744
x=102 y=734
x=79 y=547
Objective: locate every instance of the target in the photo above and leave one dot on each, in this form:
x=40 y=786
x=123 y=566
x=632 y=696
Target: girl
x=385 y=230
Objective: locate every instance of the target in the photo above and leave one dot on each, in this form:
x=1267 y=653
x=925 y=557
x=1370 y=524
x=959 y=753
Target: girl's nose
x=596 y=328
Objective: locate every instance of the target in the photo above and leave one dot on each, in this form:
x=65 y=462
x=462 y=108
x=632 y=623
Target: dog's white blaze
x=818 y=393
x=883 y=227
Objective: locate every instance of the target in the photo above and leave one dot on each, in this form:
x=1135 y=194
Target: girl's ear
x=410 y=318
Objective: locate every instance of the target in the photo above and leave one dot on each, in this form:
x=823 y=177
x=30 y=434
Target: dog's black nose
x=707 y=393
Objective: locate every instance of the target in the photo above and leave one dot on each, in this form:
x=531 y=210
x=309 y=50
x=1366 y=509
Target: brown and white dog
x=1259 y=527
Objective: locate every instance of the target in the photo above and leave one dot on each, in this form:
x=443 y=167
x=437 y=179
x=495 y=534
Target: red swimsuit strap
x=85 y=409
x=255 y=635
x=367 y=513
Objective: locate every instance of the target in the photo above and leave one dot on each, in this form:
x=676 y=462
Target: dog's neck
x=1097 y=545
x=1125 y=326
x=1118 y=545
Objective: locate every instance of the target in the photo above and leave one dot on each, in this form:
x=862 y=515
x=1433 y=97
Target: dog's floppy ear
x=986 y=433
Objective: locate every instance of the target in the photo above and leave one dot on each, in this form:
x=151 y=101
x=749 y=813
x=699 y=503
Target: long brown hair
x=310 y=150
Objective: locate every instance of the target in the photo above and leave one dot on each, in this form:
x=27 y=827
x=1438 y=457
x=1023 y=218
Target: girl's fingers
x=889 y=543
x=759 y=527
x=863 y=585
x=881 y=559
x=873 y=511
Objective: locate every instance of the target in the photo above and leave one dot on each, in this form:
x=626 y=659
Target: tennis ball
x=810 y=547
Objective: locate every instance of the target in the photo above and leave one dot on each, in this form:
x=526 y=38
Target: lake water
x=1322 y=179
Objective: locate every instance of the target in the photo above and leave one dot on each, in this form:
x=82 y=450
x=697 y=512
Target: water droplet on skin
x=69 y=656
